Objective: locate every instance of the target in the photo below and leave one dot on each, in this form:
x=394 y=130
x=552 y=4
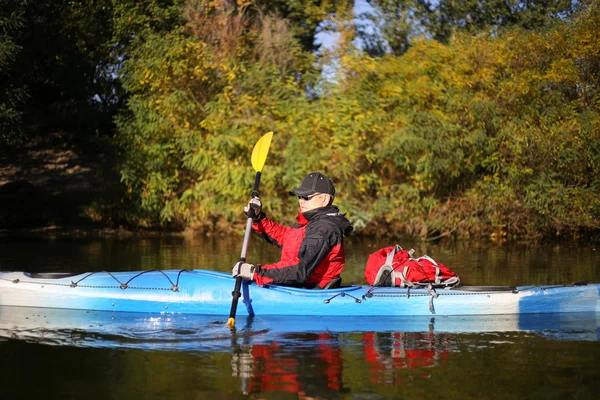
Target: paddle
x=259 y=156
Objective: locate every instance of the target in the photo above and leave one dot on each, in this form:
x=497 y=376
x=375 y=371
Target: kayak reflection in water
x=312 y=251
x=274 y=367
x=316 y=369
x=386 y=352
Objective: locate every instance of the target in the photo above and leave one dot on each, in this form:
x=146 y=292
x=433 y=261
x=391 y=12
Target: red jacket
x=312 y=252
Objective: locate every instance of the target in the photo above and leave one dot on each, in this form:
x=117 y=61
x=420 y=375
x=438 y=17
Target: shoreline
x=50 y=188
x=89 y=231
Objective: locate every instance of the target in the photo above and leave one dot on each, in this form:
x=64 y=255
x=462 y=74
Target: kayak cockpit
x=298 y=290
x=50 y=275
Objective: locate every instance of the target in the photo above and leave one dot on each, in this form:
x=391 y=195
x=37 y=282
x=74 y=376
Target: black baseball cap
x=315 y=182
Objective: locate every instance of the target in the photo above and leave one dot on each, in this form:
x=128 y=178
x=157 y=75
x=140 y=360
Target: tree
x=65 y=56
x=398 y=22
x=489 y=134
x=14 y=96
x=200 y=97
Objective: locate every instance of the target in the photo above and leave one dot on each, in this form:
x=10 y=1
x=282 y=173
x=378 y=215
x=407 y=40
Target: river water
x=125 y=357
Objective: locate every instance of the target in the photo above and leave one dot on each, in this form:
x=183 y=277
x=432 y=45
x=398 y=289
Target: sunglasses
x=307 y=198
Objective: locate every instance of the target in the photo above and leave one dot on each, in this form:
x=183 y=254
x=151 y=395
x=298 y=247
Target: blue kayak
x=199 y=292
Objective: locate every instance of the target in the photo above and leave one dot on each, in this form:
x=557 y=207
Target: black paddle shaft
x=236 y=294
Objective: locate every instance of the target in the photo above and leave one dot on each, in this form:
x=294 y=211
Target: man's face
x=313 y=201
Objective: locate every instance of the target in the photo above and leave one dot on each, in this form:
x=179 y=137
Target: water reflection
x=278 y=366
x=209 y=333
x=303 y=357
x=387 y=352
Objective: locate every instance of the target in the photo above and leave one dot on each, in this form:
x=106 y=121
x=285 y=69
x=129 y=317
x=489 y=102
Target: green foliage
x=490 y=130
x=201 y=97
x=487 y=135
x=54 y=69
x=59 y=62
x=10 y=114
x=498 y=131
x=394 y=24
x=305 y=16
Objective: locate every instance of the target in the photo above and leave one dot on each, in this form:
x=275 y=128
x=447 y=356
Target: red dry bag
x=394 y=266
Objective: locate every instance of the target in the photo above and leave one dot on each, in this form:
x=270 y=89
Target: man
x=312 y=253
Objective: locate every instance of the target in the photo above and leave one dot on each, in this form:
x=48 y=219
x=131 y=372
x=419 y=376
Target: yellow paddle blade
x=261 y=149
x=231 y=322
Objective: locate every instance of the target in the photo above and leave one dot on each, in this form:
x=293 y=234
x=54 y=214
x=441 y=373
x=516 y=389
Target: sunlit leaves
x=491 y=135
x=505 y=111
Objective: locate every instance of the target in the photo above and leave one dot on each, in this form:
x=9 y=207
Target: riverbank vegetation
x=441 y=119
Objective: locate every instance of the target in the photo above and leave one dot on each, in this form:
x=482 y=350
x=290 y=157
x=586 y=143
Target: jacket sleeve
x=320 y=238
x=271 y=231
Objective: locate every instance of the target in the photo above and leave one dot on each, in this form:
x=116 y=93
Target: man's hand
x=254 y=205
x=244 y=270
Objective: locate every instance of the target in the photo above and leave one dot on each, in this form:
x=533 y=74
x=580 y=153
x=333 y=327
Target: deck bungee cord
x=122 y=285
x=342 y=294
